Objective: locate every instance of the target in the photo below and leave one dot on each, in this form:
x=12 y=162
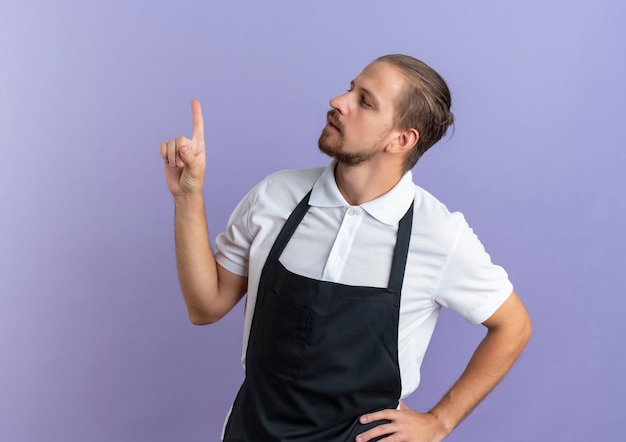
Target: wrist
x=446 y=425
x=189 y=199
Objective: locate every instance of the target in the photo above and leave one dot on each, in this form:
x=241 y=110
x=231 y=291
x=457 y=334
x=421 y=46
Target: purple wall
x=94 y=340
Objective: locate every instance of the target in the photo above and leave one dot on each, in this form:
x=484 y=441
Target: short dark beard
x=336 y=151
x=351 y=159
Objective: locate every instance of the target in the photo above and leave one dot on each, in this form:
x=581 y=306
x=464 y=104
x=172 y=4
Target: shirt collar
x=388 y=208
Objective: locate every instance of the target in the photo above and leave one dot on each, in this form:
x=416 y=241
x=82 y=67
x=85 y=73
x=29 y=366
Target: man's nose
x=340 y=103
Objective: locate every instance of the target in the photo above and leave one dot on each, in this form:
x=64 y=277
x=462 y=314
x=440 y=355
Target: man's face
x=360 y=124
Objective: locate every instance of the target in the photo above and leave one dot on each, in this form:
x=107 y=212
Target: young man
x=346 y=268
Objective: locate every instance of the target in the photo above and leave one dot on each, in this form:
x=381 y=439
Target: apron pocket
x=284 y=335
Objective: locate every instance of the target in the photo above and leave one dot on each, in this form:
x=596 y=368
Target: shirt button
x=337 y=258
x=351 y=212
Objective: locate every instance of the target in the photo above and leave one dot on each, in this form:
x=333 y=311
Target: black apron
x=320 y=354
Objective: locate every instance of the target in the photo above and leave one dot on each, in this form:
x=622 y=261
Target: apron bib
x=320 y=354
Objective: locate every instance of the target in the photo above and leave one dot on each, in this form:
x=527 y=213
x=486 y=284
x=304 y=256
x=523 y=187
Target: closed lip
x=333 y=123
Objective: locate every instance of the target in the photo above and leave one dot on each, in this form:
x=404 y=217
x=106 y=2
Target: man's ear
x=405 y=140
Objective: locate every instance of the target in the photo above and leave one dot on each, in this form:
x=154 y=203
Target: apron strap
x=400 y=253
x=401 y=250
x=290 y=226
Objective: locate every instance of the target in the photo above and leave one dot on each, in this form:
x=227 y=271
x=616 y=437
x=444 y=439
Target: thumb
x=186 y=154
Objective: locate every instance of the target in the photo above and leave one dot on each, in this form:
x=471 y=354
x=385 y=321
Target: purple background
x=94 y=340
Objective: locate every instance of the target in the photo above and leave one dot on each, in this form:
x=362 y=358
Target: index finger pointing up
x=198 y=121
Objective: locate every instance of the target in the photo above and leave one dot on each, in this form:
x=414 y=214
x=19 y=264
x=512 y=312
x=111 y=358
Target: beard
x=331 y=142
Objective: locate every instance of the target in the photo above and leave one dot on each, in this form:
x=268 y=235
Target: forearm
x=492 y=359
x=197 y=269
x=209 y=290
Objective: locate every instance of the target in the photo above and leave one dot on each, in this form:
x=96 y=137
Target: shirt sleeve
x=233 y=245
x=471 y=284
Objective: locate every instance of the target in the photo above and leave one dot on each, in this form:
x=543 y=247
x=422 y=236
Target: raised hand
x=185 y=159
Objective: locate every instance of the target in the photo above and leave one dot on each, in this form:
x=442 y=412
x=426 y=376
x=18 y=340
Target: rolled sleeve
x=233 y=245
x=472 y=285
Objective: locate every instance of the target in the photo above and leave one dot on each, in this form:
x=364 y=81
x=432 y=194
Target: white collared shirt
x=353 y=245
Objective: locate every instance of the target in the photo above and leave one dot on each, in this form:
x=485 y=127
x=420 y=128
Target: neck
x=366 y=181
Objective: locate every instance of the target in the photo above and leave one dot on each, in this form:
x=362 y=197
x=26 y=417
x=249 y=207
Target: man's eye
x=364 y=101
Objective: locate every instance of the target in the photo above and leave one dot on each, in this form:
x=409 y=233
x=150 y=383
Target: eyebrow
x=371 y=97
